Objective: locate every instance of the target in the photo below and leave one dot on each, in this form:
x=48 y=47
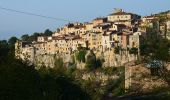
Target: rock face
x=139 y=79
x=48 y=60
x=44 y=60
x=109 y=57
x=90 y=54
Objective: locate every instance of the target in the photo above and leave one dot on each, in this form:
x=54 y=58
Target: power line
x=32 y=14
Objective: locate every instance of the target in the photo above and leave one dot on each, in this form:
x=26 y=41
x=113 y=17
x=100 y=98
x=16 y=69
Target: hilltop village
x=110 y=38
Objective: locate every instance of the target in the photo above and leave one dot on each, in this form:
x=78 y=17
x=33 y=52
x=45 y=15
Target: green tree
x=156 y=48
x=116 y=50
x=91 y=61
x=133 y=51
x=80 y=55
x=25 y=37
x=18 y=81
x=4 y=49
x=34 y=36
x=12 y=40
x=47 y=32
x=59 y=66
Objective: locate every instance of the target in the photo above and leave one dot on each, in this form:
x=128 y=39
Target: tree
x=48 y=32
x=4 y=49
x=34 y=36
x=80 y=55
x=156 y=48
x=116 y=50
x=59 y=66
x=91 y=61
x=19 y=81
x=133 y=51
x=99 y=62
x=25 y=37
x=12 y=40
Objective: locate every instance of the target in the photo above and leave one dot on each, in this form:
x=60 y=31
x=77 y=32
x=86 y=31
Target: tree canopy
x=18 y=81
x=34 y=36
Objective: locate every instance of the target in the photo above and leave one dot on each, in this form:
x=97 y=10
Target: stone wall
x=110 y=59
x=48 y=60
x=138 y=78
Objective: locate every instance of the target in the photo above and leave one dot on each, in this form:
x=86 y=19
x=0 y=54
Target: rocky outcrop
x=139 y=79
x=109 y=57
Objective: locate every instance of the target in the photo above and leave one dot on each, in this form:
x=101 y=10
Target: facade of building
x=119 y=29
x=121 y=17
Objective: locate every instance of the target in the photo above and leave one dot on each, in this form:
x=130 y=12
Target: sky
x=16 y=24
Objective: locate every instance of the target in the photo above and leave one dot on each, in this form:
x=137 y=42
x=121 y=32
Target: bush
x=59 y=66
x=91 y=62
x=116 y=50
x=99 y=63
x=133 y=51
x=80 y=56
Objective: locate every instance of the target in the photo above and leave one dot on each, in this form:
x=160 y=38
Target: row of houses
x=101 y=34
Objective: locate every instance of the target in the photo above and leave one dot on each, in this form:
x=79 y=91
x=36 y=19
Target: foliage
x=59 y=66
x=4 y=49
x=60 y=87
x=19 y=81
x=12 y=40
x=91 y=61
x=110 y=70
x=59 y=62
x=113 y=70
x=116 y=50
x=156 y=48
x=47 y=32
x=117 y=86
x=80 y=55
x=112 y=86
x=93 y=88
x=22 y=82
x=34 y=36
x=25 y=37
x=133 y=51
x=99 y=63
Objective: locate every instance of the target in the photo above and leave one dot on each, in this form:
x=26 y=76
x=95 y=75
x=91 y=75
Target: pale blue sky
x=14 y=24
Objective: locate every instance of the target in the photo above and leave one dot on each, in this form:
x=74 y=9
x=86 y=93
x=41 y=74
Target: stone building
x=122 y=17
x=101 y=35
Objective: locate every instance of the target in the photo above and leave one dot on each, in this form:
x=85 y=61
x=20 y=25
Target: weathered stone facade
x=138 y=78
